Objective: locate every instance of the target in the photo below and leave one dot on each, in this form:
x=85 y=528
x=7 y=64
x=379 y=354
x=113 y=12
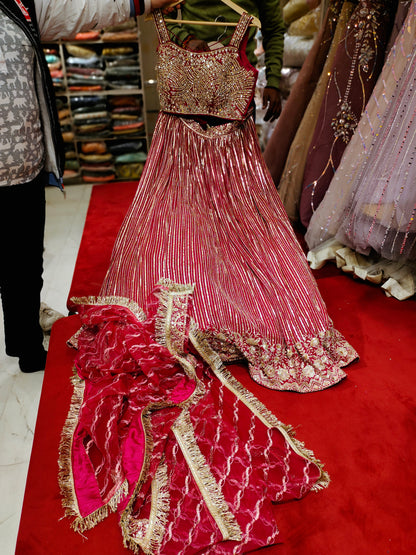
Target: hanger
x=254 y=23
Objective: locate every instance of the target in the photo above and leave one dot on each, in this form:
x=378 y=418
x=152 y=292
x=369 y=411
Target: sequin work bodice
x=218 y=83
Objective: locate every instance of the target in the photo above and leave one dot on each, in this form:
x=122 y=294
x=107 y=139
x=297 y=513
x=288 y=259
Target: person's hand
x=196 y=45
x=272 y=100
x=168 y=5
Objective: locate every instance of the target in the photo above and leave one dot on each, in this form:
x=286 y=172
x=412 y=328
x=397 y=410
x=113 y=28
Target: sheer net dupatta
x=122 y=376
x=158 y=430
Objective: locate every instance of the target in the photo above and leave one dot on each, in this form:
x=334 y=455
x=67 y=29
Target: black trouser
x=22 y=224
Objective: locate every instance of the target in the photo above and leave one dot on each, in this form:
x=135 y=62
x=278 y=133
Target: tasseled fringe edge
x=256 y=406
x=159 y=513
x=81 y=524
x=65 y=478
x=126 y=514
x=160 y=507
x=164 y=330
x=207 y=484
x=112 y=300
x=163 y=326
x=65 y=475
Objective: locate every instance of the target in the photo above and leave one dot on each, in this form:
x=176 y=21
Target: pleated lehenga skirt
x=206 y=212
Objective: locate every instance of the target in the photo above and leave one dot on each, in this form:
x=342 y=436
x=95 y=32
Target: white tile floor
x=19 y=393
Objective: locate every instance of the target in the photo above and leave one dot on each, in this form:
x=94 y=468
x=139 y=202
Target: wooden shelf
x=65 y=100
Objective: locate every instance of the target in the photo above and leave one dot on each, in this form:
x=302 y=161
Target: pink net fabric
x=159 y=431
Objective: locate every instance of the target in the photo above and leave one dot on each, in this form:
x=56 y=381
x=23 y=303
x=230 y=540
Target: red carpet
x=363 y=429
x=105 y=215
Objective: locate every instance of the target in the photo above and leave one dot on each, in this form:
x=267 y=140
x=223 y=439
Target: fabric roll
x=87 y=35
x=124 y=147
x=80 y=51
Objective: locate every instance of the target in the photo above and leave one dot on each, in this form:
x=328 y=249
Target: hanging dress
x=357 y=63
x=367 y=217
x=206 y=212
x=291 y=136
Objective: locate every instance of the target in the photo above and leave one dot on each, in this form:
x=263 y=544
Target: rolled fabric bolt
x=295 y=9
x=120 y=36
x=80 y=51
x=117 y=51
x=87 y=35
x=96 y=147
x=129 y=24
x=98 y=178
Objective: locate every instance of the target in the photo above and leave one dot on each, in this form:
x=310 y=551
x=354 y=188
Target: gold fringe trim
x=129 y=540
x=112 y=300
x=251 y=401
x=159 y=512
x=201 y=472
x=125 y=517
x=65 y=475
x=174 y=300
x=81 y=524
x=173 y=303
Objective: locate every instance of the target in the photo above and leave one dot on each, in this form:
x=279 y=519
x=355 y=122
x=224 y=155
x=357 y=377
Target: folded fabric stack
x=65 y=121
x=129 y=158
x=122 y=67
x=54 y=62
x=100 y=103
x=71 y=160
x=91 y=120
x=96 y=162
x=122 y=32
x=84 y=68
x=126 y=116
x=87 y=35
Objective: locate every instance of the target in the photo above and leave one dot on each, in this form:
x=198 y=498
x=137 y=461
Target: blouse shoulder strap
x=240 y=30
x=161 y=28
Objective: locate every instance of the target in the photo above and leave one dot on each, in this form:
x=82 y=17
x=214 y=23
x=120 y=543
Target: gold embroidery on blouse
x=213 y=83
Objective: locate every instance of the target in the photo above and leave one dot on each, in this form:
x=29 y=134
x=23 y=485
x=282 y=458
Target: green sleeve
x=178 y=33
x=272 y=30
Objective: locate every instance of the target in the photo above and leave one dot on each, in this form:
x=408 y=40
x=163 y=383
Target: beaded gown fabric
x=288 y=125
x=290 y=181
x=206 y=212
x=367 y=218
x=356 y=66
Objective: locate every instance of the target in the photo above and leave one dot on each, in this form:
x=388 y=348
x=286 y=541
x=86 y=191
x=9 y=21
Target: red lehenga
x=207 y=212
x=159 y=430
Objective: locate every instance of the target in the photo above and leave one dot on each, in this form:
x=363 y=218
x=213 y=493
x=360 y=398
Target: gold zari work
x=212 y=83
